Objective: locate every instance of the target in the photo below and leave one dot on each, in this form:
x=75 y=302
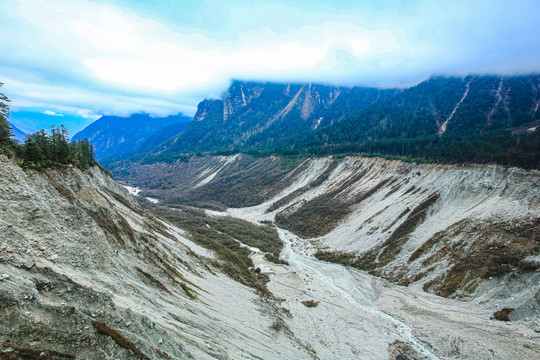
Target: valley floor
x=434 y=250
x=358 y=316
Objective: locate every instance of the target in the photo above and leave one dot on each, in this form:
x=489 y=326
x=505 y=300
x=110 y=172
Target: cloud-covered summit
x=121 y=57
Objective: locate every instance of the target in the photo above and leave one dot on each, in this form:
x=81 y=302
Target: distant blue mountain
x=18 y=134
x=114 y=135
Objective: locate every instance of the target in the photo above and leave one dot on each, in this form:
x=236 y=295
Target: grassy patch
x=275 y=259
x=222 y=235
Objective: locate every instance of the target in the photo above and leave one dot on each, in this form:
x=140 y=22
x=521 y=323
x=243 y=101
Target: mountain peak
x=115 y=135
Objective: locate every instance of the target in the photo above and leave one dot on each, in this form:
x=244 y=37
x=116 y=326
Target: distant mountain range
x=18 y=134
x=114 y=135
x=455 y=119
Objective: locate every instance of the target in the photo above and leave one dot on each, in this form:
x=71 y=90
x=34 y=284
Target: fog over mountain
x=163 y=59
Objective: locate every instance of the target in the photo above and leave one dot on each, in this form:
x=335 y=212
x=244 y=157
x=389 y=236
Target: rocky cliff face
x=256 y=114
x=86 y=273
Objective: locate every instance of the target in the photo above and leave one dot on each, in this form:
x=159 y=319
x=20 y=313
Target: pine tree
x=5 y=130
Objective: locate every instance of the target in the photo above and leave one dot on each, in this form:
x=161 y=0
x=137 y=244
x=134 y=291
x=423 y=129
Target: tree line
x=41 y=149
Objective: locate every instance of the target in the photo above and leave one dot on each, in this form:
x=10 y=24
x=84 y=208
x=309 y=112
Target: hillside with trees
x=42 y=150
x=255 y=115
x=116 y=135
x=479 y=119
x=474 y=119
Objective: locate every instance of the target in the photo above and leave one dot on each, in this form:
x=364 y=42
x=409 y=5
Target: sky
x=69 y=62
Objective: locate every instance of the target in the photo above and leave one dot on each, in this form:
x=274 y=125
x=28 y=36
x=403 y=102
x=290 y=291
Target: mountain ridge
x=113 y=135
x=18 y=134
x=251 y=113
x=444 y=119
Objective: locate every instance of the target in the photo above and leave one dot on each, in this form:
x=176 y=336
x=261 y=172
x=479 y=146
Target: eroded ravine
x=351 y=314
x=347 y=289
x=353 y=303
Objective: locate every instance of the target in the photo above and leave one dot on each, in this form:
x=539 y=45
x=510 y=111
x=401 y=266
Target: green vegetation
x=226 y=124
x=395 y=124
x=227 y=237
x=41 y=150
x=499 y=146
x=6 y=143
x=343 y=258
x=406 y=125
x=275 y=259
x=248 y=180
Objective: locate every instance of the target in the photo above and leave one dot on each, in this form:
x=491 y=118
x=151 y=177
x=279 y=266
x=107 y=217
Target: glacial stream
x=344 y=313
x=338 y=278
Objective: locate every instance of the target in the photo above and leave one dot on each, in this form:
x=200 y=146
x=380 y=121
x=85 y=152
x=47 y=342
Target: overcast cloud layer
x=86 y=58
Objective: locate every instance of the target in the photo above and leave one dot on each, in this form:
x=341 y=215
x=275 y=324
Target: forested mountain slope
x=114 y=135
x=484 y=119
x=471 y=119
x=254 y=114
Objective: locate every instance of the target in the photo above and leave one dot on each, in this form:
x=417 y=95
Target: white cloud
x=48 y=112
x=28 y=92
x=88 y=114
x=123 y=49
x=104 y=59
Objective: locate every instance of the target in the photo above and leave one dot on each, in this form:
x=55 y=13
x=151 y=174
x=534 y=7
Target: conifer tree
x=5 y=130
